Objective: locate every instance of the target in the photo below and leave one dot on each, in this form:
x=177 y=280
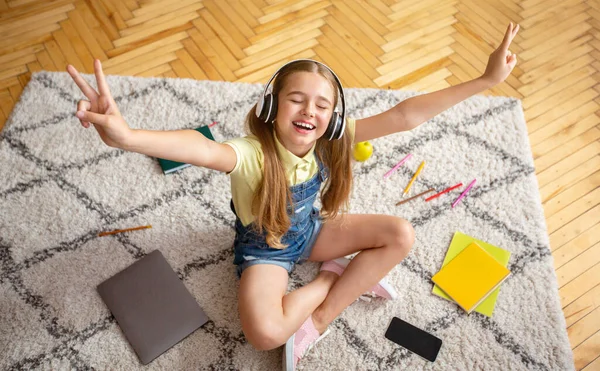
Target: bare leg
x=268 y=316
x=384 y=241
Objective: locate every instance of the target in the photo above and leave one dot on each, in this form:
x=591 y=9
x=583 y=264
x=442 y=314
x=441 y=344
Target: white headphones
x=266 y=108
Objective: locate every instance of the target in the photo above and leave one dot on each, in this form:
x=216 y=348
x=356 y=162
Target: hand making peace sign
x=502 y=61
x=101 y=109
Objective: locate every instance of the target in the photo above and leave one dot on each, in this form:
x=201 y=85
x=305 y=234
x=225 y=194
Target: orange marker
x=413 y=178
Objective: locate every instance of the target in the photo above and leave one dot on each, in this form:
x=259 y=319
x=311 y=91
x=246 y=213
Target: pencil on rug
x=123 y=230
x=413 y=197
x=442 y=192
x=413 y=179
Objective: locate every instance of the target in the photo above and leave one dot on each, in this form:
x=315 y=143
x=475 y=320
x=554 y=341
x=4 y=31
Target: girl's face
x=305 y=105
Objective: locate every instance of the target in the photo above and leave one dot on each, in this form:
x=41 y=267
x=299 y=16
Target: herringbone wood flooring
x=400 y=44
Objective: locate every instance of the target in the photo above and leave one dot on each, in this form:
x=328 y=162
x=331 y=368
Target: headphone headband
x=338 y=119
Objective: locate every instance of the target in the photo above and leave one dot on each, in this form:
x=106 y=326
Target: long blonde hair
x=271 y=197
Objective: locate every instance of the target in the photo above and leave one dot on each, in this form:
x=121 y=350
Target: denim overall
x=251 y=248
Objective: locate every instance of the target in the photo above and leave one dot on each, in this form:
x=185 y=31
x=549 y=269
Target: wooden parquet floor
x=398 y=44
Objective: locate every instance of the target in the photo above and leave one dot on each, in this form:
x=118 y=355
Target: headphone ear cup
x=269 y=109
x=273 y=113
x=265 y=107
x=334 y=128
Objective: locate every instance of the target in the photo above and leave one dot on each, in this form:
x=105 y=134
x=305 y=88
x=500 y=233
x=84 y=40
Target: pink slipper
x=382 y=289
x=300 y=343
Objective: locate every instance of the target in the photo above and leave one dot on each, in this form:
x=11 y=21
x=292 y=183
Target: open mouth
x=303 y=125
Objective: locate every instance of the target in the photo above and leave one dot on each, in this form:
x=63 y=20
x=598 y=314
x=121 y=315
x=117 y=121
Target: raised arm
x=414 y=111
x=188 y=146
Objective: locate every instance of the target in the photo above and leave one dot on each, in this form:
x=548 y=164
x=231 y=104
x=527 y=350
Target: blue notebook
x=169 y=166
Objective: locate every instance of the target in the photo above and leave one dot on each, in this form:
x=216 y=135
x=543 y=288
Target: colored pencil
x=397 y=166
x=442 y=192
x=123 y=230
x=464 y=193
x=413 y=178
x=413 y=197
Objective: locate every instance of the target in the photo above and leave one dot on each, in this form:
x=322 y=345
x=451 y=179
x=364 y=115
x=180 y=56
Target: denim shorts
x=295 y=253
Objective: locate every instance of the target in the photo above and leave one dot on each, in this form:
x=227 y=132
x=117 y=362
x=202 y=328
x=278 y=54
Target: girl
x=299 y=143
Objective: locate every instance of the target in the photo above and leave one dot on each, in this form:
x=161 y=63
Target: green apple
x=362 y=151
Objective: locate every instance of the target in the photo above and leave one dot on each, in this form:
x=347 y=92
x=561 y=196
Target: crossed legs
x=269 y=316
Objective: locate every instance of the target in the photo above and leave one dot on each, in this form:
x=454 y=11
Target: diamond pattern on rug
x=63 y=186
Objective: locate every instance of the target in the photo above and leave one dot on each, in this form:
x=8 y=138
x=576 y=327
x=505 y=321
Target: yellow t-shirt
x=248 y=170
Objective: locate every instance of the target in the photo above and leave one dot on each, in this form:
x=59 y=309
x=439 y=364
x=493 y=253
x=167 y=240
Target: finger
x=513 y=61
x=91 y=117
x=84 y=105
x=85 y=88
x=507 y=37
x=516 y=29
x=102 y=85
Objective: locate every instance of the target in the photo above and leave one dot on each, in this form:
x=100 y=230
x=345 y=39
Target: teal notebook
x=169 y=166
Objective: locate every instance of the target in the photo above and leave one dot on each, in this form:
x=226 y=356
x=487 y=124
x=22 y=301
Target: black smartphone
x=414 y=339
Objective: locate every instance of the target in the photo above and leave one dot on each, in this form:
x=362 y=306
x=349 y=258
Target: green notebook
x=459 y=242
x=169 y=166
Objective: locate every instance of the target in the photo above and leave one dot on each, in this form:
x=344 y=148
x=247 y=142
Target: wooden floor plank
x=351 y=54
x=349 y=66
x=556 y=112
x=585 y=328
x=554 y=133
x=262 y=75
x=417 y=44
x=573 y=193
x=143 y=34
x=576 y=74
x=215 y=17
x=201 y=59
x=566 y=148
x=593 y=366
x=587 y=352
x=132 y=63
x=581 y=263
x=571 y=89
x=565 y=165
x=557 y=29
x=541 y=27
x=411 y=67
x=356 y=32
x=219 y=45
x=286 y=48
x=582 y=306
x=574 y=228
x=354 y=43
x=305 y=15
x=177 y=15
x=122 y=58
x=575 y=247
x=152 y=13
x=191 y=65
x=559 y=39
x=180 y=70
x=580 y=285
x=278 y=56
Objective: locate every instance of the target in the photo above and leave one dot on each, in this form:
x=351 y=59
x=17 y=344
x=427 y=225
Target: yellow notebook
x=470 y=277
x=459 y=242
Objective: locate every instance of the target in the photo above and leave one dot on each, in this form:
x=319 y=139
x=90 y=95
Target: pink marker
x=464 y=193
x=397 y=166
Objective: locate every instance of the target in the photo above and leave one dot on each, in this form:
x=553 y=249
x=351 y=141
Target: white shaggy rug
x=61 y=185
